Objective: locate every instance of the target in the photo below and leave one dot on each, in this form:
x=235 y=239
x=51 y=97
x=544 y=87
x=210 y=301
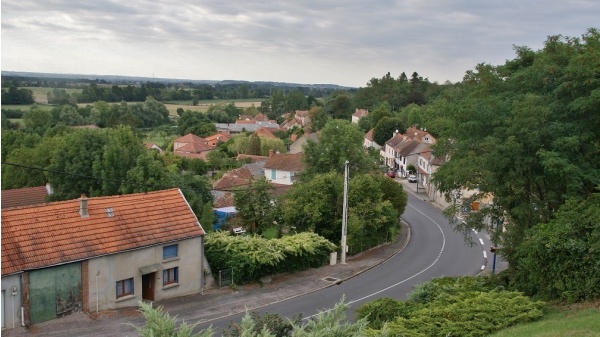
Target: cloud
x=343 y=42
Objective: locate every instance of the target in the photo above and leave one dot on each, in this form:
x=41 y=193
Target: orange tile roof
x=264 y=132
x=55 y=233
x=194 y=148
x=24 y=196
x=190 y=138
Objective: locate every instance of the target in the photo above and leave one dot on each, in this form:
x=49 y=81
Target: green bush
x=253 y=257
x=383 y=310
x=560 y=260
x=461 y=306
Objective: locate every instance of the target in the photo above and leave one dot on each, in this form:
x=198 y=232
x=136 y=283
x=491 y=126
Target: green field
x=581 y=321
x=26 y=107
x=203 y=105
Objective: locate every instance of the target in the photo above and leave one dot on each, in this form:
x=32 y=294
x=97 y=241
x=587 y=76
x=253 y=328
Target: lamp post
x=345 y=212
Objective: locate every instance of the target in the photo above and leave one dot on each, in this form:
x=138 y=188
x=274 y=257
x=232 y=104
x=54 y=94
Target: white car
x=412 y=178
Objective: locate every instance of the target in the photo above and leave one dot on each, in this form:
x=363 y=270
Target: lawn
x=579 y=321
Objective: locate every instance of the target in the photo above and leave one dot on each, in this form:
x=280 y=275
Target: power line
x=82 y=176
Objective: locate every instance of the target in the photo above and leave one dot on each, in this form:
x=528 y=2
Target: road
x=434 y=250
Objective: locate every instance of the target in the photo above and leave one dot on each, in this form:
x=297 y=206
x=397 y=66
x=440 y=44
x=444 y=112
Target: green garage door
x=54 y=292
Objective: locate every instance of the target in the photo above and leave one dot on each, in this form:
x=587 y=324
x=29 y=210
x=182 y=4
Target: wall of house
x=11 y=301
x=104 y=272
x=281 y=177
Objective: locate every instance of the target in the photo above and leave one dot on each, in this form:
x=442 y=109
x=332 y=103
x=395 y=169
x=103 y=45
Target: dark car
x=391 y=174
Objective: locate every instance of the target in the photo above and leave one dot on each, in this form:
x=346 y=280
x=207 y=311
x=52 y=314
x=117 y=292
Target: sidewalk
x=218 y=303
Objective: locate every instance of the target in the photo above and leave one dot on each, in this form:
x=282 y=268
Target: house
x=101 y=253
x=388 y=151
x=296 y=147
x=219 y=137
x=153 y=146
x=358 y=114
x=406 y=154
x=26 y=196
x=291 y=123
x=420 y=135
x=191 y=146
x=265 y=133
x=369 y=143
x=283 y=168
x=302 y=116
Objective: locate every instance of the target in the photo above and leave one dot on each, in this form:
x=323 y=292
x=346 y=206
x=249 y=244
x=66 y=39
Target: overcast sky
x=345 y=42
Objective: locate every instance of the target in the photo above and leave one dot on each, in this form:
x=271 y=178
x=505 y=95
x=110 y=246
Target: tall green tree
x=118 y=156
x=386 y=128
x=339 y=141
x=71 y=167
x=525 y=133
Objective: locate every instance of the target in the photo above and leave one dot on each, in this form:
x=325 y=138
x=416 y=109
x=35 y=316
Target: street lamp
x=345 y=212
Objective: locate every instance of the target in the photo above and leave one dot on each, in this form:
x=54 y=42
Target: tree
x=196 y=123
x=339 y=106
x=254 y=206
x=381 y=111
x=117 y=157
x=254 y=146
x=318 y=118
x=559 y=259
x=525 y=133
x=386 y=128
x=71 y=166
x=339 y=141
x=37 y=119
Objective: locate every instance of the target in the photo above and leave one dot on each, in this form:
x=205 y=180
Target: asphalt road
x=434 y=250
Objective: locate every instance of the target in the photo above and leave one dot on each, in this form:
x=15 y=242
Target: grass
x=160 y=138
x=579 y=321
x=271 y=233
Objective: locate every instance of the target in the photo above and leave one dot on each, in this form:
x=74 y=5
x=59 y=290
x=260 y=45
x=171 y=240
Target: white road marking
x=406 y=279
x=481 y=240
x=485 y=254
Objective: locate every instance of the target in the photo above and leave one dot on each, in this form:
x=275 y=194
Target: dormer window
x=109 y=212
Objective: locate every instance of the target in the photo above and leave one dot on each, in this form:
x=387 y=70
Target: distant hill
x=136 y=80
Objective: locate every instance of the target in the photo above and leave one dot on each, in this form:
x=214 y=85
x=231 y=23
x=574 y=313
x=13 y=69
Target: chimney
x=270 y=153
x=83 y=206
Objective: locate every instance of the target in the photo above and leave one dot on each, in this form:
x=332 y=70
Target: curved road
x=434 y=250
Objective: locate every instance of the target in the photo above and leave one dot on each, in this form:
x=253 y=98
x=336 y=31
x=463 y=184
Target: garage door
x=54 y=292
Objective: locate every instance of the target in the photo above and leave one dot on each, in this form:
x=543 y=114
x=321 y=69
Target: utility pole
x=345 y=212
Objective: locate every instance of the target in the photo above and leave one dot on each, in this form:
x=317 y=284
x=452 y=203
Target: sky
x=343 y=42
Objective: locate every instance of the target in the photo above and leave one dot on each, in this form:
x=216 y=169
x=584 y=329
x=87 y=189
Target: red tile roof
x=24 y=196
x=369 y=135
x=360 y=113
x=239 y=177
x=55 y=233
x=286 y=162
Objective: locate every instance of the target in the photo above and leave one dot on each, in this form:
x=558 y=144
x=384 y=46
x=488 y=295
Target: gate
x=225 y=277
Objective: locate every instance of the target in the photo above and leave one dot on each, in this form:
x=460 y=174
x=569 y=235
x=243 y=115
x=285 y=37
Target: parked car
x=391 y=174
x=412 y=178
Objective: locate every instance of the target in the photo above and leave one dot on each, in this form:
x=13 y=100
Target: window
x=273 y=174
x=169 y=252
x=125 y=287
x=170 y=276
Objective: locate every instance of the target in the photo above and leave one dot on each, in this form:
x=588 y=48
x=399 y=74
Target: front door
x=148 y=286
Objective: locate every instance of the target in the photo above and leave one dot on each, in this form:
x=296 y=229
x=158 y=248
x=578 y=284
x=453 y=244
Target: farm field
x=205 y=104
x=40 y=94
